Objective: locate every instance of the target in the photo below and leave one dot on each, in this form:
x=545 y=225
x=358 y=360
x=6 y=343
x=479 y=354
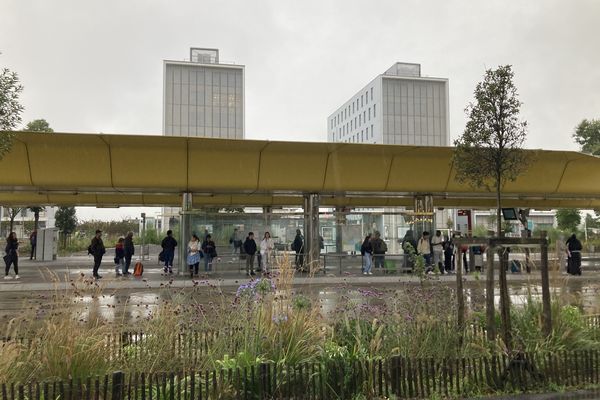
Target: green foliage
x=151 y=237
x=568 y=219
x=587 y=135
x=110 y=228
x=66 y=220
x=10 y=108
x=480 y=231
x=488 y=154
x=38 y=125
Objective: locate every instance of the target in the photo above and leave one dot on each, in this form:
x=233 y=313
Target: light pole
x=143 y=234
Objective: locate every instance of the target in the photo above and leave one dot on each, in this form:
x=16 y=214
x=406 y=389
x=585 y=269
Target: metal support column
x=340 y=221
x=311 y=240
x=184 y=232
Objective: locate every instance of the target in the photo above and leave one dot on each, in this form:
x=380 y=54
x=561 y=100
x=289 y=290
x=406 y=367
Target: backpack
x=138 y=270
x=90 y=249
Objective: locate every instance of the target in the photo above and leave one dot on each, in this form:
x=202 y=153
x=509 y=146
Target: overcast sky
x=96 y=66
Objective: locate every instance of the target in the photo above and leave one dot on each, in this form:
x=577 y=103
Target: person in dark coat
x=449 y=254
x=12 y=255
x=366 y=251
x=97 y=249
x=129 y=252
x=574 y=248
x=168 y=245
x=210 y=252
x=409 y=246
x=250 y=250
x=298 y=247
x=33 y=243
x=379 y=250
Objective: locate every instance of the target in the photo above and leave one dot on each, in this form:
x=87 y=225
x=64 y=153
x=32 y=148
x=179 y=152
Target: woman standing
x=367 y=252
x=266 y=248
x=12 y=255
x=193 y=258
x=210 y=251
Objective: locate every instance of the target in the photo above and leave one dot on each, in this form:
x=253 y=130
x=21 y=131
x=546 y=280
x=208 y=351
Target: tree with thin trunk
x=10 y=108
x=66 y=221
x=488 y=155
x=13 y=213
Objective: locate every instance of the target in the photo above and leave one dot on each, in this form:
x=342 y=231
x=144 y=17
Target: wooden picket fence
x=398 y=376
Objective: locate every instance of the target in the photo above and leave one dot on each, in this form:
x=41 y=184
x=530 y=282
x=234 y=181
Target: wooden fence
x=397 y=376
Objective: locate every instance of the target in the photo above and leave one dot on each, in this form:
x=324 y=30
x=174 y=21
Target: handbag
x=7 y=259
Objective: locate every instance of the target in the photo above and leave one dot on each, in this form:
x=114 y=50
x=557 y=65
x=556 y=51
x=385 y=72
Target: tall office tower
x=203 y=97
x=397 y=107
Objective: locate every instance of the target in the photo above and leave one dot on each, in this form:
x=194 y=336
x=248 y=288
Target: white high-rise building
x=203 y=97
x=397 y=107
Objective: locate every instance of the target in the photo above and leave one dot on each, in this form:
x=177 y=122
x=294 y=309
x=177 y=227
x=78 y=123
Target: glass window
x=361 y=101
x=374 y=110
x=365 y=115
x=359 y=119
x=371 y=131
x=367 y=97
x=369 y=113
x=371 y=94
x=367 y=131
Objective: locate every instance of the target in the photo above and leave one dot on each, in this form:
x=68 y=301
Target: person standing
x=424 y=249
x=366 y=250
x=298 y=247
x=33 y=243
x=97 y=249
x=235 y=242
x=250 y=250
x=12 y=255
x=574 y=248
x=193 y=258
x=210 y=252
x=120 y=256
x=129 y=252
x=379 y=250
x=266 y=248
x=449 y=255
x=168 y=245
x=437 y=247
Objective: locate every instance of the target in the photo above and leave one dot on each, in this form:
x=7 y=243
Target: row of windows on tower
x=349 y=110
x=357 y=122
x=359 y=137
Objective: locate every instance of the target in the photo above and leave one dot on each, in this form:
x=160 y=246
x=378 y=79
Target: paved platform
x=60 y=274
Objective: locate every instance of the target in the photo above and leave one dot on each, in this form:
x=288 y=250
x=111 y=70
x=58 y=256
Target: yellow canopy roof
x=119 y=170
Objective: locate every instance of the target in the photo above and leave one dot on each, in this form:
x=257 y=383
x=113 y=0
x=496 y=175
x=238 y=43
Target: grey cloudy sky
x=96 y=66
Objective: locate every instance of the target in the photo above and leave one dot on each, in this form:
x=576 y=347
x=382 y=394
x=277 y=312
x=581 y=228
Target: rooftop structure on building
x=203 y=96
x=399 y=106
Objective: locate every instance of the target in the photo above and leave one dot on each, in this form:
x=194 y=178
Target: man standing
x=168 y=245
x=437 y=245
x=298 y=247
x=250 y=250
x=33 y=243
x=379 y=250
x=129 y=252
x=97 y=249
x=424 y=249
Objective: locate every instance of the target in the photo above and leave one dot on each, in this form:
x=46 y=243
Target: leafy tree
x=592 y=222
x=36 y=216
x=587 y=135
x=66 y=221
x=38 y=125
x=10 y=108
x=489 y=154
x=568 y=219
x=12 y=214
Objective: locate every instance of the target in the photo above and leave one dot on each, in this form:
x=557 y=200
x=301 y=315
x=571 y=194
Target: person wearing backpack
x=168 y=245
x=97 y=249
x=298 y=247
x=379 y=250
x=366 y=251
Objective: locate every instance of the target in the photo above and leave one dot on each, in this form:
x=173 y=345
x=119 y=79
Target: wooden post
x=460 y=299
x=118 y=381
x=505 y=300
x=490 y=310
x=546 y=306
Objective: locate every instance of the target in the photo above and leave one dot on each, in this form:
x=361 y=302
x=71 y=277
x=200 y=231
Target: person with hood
x=574 y=248
x=168 y=245
x=97 y=249
x=298 y=247
x=366 y=250
x=379 y=250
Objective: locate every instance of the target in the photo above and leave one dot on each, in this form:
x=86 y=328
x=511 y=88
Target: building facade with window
x=203 y=97
x=397 y=107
